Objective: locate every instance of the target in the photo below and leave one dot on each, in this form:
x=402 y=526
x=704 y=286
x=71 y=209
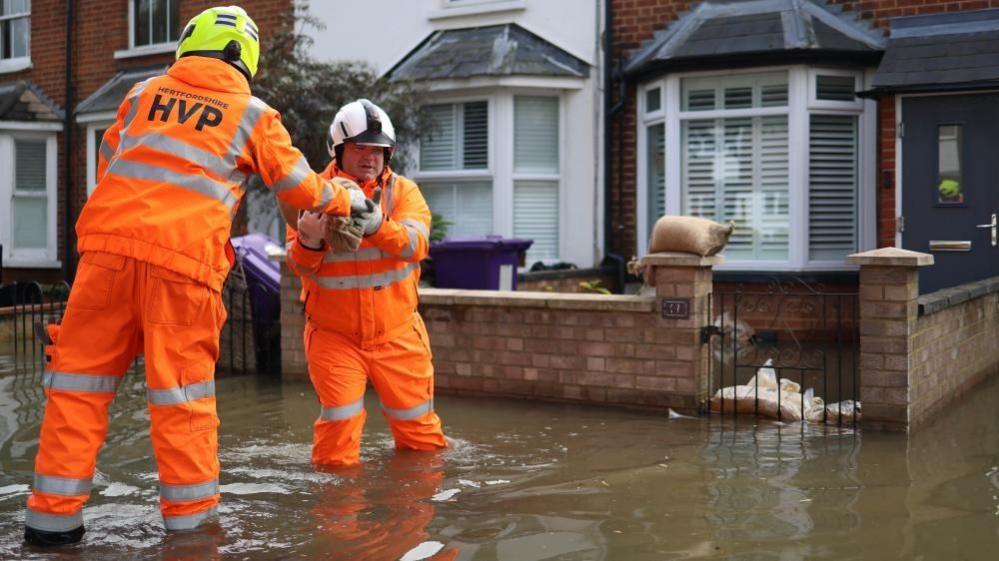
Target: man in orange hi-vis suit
x=362 y=322
x=154 y=245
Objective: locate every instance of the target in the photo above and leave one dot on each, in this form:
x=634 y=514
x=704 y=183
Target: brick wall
x=635 y=21
x=613 y=350
x=913 y=363
x=952 y=351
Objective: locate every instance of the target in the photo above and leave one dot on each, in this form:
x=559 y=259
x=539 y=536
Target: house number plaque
x=676 y=308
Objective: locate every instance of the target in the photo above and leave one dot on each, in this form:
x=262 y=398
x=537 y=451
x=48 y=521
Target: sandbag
x=743 y=399
x=689 y=234
x=843 y=412
x=343 y=235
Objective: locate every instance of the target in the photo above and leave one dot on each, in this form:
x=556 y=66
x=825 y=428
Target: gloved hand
x=371 y=219
x=311 y=229
x=358 y=202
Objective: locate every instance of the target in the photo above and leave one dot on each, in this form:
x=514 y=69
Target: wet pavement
x=530 y=481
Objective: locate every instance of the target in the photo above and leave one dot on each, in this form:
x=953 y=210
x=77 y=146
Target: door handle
x=991 y=226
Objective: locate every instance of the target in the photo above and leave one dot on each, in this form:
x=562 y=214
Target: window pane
x=653 y=100
x=737 y=170
x=173 y=30
x=656 y=154
x=20 y=29
x=141 y=23
x=834 y=88
x=535 y=217
x=475 y=151
x=734 y=92
x=535 y=132
x=159 y=22
x=950 y=188
x=468 y=206
x=29 y=164
x=437 y=147
x=29 y=222
x=832 y=190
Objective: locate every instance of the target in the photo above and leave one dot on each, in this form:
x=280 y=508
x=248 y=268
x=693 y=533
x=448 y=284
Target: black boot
x=45 y=539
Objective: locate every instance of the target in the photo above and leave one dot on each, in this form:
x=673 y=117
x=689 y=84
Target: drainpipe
x=609 y=112
x=68 y=269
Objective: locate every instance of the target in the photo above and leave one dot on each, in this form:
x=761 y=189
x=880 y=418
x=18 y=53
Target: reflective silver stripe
x=62 y=485
x=53 y=522
x=80 y=382
x=342 y=412
x=368 y=281
x=410 y=249
x=411 y=413
x=189 y=522
x=417 y=225
x=183 y=394
x=325 y=199
x=133 y=108
x=254 y=111
x=198 y=184
x=106 y=150
x=193 y=154
x=194 y=492
x=366 y=254
x=298 y=173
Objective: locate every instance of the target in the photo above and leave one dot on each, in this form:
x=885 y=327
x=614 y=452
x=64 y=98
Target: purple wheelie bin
x=481 y=263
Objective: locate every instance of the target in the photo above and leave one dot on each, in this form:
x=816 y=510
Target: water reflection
x=529 y=481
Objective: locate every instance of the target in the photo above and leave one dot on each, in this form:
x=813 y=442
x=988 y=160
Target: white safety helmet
x=363 y=123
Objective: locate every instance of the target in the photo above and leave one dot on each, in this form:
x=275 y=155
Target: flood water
x=529 y=481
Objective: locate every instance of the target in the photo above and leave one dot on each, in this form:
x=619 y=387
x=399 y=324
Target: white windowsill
x=31 y=264
x=14 y=64
x=146 y=50
x=475 y=9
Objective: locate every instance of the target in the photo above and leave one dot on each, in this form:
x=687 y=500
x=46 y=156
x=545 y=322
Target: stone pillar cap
x=891 y=257
x=675 y=259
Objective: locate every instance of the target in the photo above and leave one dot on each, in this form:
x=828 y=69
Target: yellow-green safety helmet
x=226 y=33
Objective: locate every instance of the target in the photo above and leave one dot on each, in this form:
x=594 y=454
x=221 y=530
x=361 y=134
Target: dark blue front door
x=950 y=186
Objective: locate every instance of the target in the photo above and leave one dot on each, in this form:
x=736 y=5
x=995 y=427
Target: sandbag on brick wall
x=689 y=234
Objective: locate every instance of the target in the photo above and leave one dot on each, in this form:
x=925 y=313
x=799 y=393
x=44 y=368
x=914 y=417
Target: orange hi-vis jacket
x=171 y=170
x=369 y=296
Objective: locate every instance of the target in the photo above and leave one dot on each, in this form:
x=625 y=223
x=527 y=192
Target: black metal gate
x=248 y=342
x=808 y=336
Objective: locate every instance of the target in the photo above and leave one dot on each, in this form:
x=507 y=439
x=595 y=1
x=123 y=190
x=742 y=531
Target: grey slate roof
x=495 y=50
x=24 y=101
x=719 y=30
x=110 y=95
x=941 y=51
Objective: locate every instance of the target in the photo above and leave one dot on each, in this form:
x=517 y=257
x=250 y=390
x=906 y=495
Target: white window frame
x=20 y=63
x=144 y=50
x=500 y=169
x=92 y=144
x=458 y=8
x=802 y=102
x=25 y=258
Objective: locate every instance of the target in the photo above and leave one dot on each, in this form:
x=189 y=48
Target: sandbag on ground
x=689 y=234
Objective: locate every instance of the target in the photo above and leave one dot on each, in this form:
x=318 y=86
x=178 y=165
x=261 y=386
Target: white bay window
x=493 y=166
x=777 y=153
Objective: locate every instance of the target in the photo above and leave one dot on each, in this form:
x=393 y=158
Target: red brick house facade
x=106 y=40
x=637 y=23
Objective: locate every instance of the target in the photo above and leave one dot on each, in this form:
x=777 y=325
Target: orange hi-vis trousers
x=120 y=307
x=400 y=371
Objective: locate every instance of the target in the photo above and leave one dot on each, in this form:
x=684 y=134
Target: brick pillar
x=889 y=287
x=293 y=364
x=684 y=278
